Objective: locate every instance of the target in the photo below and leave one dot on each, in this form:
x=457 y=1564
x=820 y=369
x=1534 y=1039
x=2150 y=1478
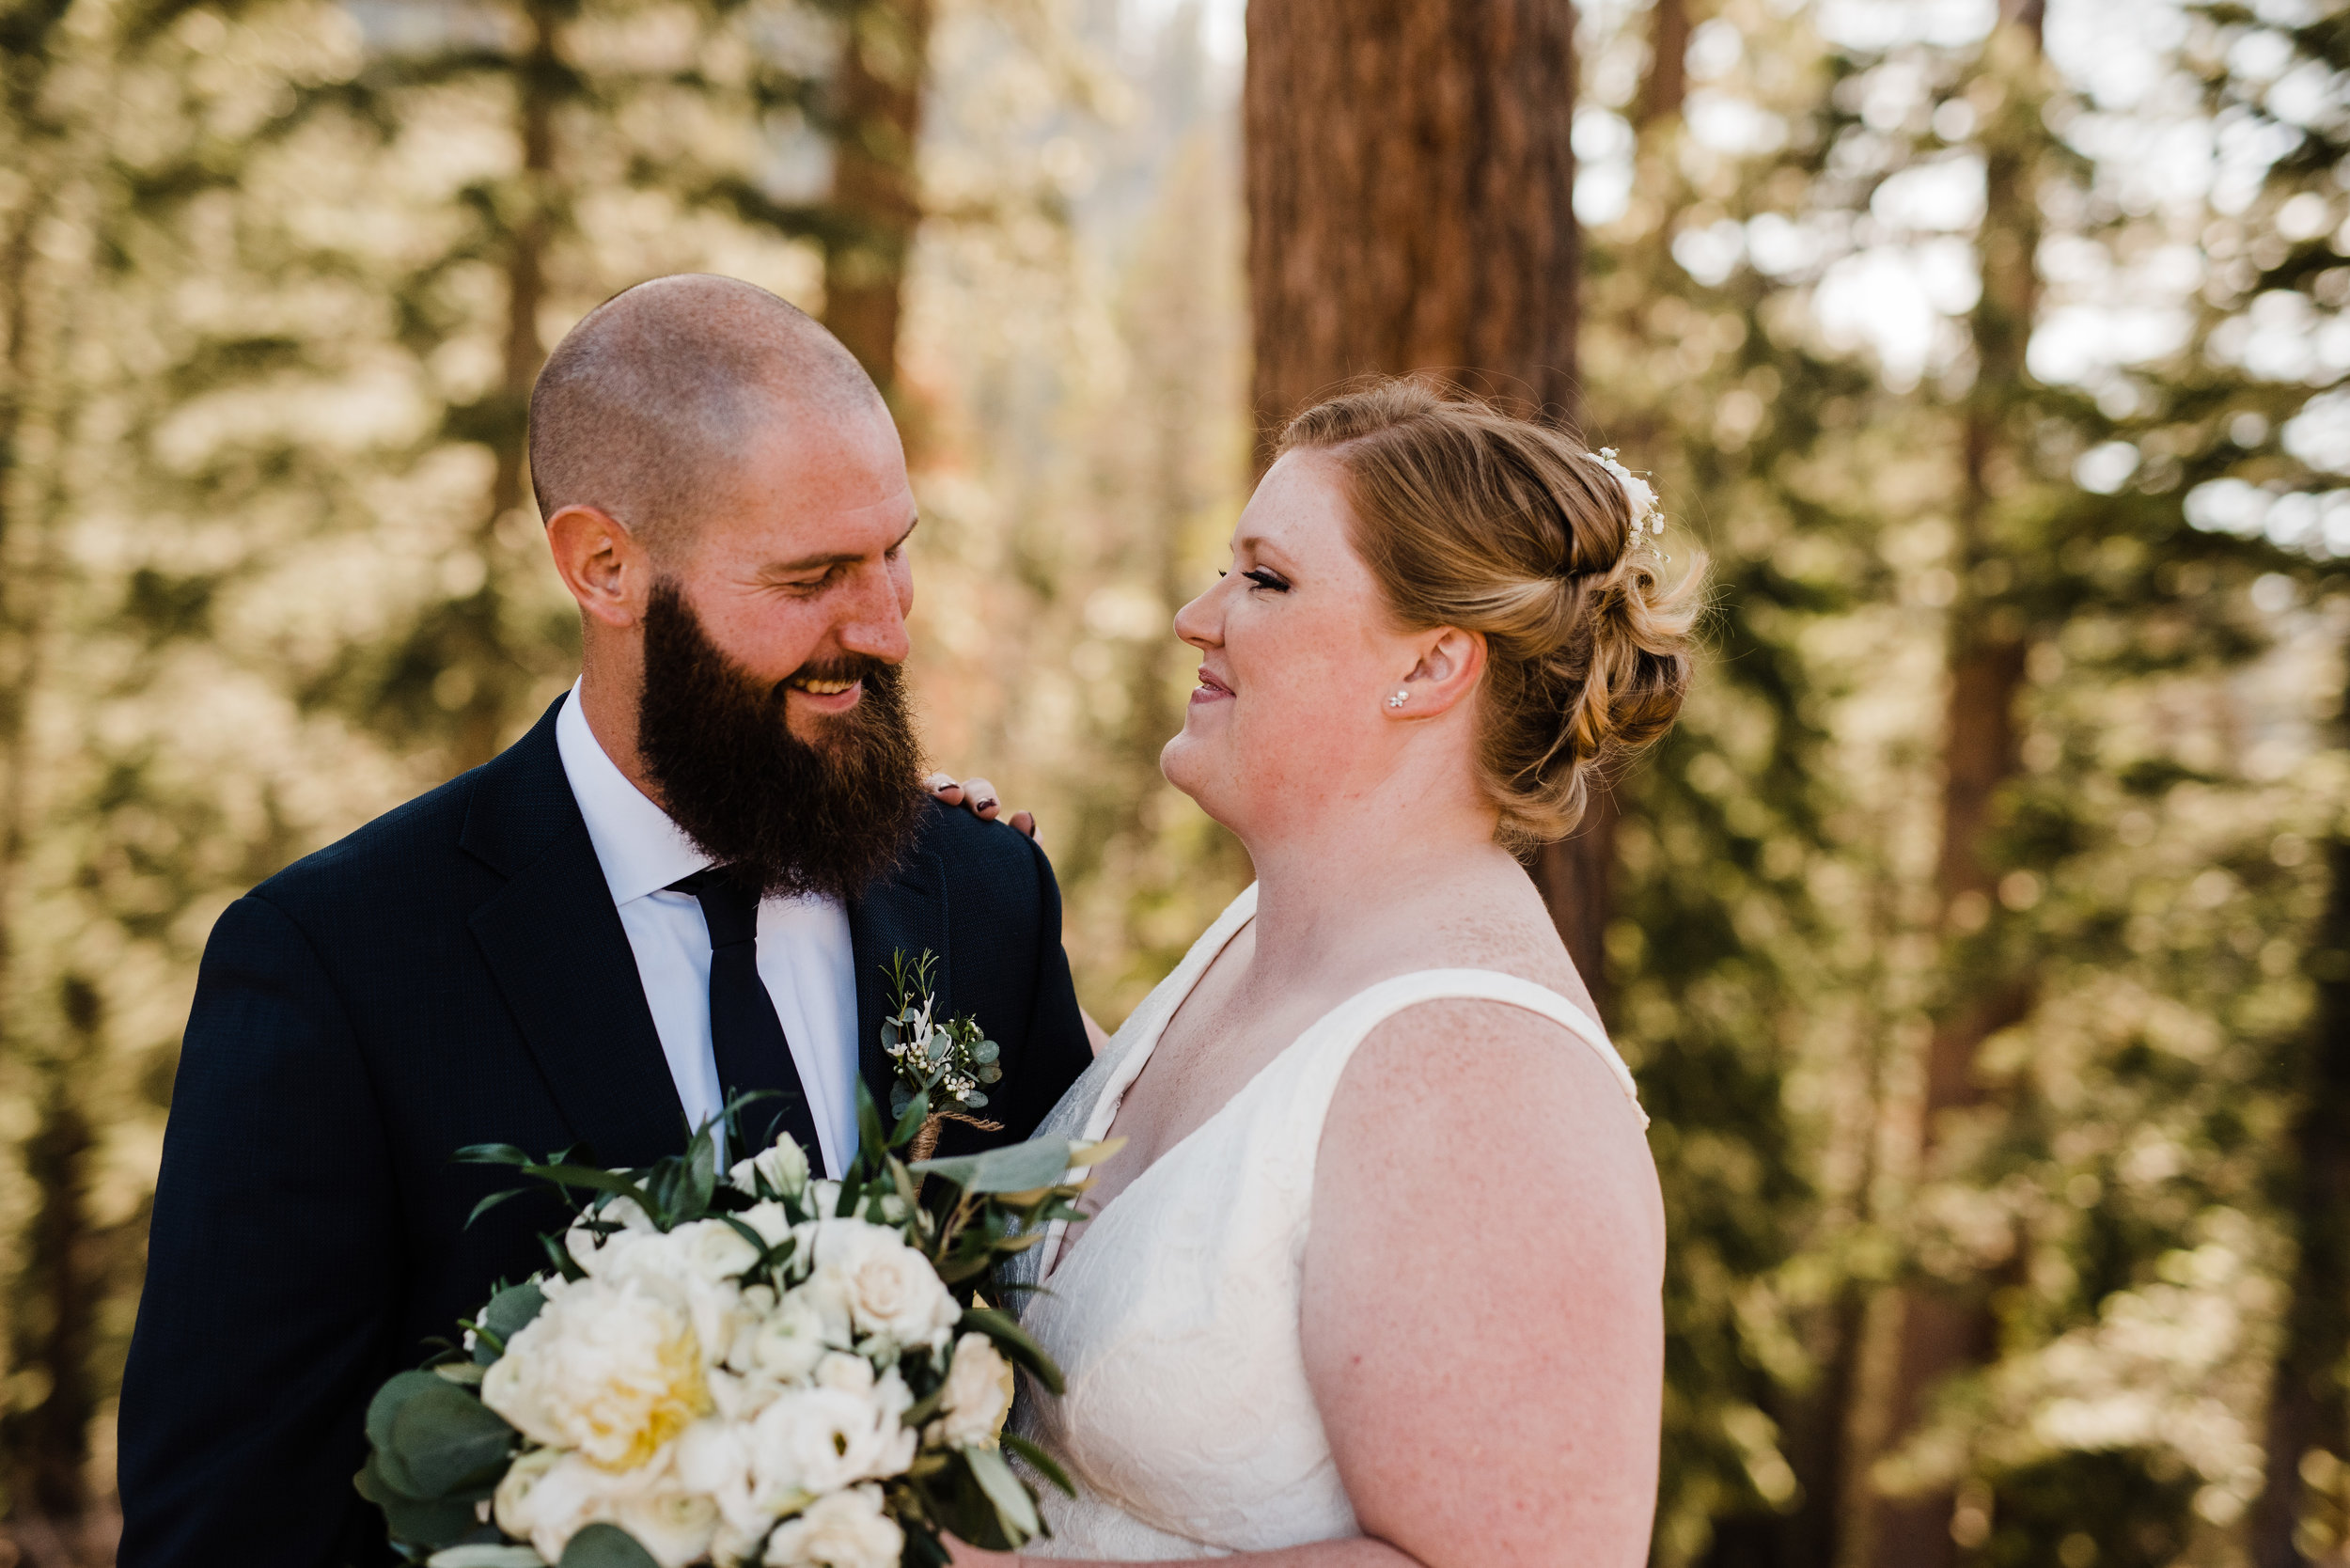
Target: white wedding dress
x=1188 y=1425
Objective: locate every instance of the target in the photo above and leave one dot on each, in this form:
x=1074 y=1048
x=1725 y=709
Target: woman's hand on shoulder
x=1483 y=1325
x=976 y=796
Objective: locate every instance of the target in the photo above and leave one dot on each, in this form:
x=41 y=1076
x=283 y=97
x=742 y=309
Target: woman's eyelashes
x=1265 y=579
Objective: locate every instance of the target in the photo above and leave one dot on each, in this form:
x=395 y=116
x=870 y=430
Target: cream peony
x=847 y=1529
x=608 y=1369
x=692 y=1267
x=882 y=1285
x=811 y=1441
x=977 y=1395
x=785 y=1166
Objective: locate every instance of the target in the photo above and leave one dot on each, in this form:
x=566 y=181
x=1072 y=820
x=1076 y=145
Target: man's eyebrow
x=834 y=558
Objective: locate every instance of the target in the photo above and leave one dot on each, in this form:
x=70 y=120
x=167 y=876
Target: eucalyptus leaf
x=603 y=1546
x=1021 y=1167
x=910 y=1118
x=448 y=1440
x=508 y=1314
x=1014 y=1505
x=985 y=1052
x=435 y=1522
x=482 y=1556
x=398 y=1390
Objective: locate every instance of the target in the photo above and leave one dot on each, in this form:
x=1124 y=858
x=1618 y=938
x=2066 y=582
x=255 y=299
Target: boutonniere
x=948 y=1059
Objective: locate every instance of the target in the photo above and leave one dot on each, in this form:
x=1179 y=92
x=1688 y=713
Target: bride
x=1375 y=1279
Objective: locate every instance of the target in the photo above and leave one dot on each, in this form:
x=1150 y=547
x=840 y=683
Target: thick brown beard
x=789 y=817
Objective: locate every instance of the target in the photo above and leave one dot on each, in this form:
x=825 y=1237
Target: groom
x=685 y=881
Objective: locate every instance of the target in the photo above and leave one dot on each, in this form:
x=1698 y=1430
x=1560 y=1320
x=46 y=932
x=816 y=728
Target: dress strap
x=1345 y=1026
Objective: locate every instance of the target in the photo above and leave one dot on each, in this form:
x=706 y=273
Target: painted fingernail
x=988 y=805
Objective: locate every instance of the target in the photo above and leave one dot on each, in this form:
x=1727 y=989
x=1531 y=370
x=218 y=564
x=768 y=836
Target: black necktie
x=744 y=1034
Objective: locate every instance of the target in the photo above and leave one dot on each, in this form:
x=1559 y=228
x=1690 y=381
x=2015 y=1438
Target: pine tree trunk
x=1411 y=182
x=1946 y=1328
x=501 y=682
x=48 y=1442
x=2306 y=1410
x=1667 y=82
x=876 y=199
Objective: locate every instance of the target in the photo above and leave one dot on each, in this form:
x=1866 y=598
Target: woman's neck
x=1328 y=898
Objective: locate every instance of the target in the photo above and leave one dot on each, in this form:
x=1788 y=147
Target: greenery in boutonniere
x=947 y=1060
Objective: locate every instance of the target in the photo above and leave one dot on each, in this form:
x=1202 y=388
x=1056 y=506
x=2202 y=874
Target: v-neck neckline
x=1129 y=1069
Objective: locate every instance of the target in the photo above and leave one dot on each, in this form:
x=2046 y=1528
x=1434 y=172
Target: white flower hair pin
x=1637 y=493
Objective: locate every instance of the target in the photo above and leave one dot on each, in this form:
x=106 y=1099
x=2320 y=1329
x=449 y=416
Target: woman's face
x=1297 y=656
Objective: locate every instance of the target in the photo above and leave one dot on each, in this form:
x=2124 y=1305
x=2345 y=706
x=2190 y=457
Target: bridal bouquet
x=758 y=1368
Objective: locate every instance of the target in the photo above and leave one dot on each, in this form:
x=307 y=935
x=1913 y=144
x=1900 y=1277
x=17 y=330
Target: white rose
x=610 y=1369
x=572 y=1495
x=847 y=1374
x=672 y=1521
x=823 y=1196
x=977 y=1395
x=770 y=1219
x=713 y=1458
x=847 y=1529
x=588 y=1250
x=886 y=1287
x=790 y=1340
x=512 y=1504
x=785 y=1166
x=715 y=1250
x=741 y=1396
x=811 y=1441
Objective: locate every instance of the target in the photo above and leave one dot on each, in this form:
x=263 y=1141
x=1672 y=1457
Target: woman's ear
x=1451 y=663
x=603 y=565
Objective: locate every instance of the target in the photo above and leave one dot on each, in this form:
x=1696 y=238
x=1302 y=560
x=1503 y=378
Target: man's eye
x=1264 y=579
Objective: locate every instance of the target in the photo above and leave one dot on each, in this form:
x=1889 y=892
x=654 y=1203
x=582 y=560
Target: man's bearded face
x=825 y=816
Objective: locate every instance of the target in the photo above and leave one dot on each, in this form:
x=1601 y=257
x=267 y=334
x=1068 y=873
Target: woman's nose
x=1196 y=623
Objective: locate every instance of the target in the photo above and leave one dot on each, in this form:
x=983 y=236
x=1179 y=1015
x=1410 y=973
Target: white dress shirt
x=804 y=955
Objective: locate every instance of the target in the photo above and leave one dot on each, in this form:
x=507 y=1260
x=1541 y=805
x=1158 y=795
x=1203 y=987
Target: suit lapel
x=554 y=943
x=904 y=913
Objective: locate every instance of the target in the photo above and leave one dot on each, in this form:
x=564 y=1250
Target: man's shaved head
x=648 y=405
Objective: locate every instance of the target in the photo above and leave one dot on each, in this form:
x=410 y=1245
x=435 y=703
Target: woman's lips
x=1209 y=689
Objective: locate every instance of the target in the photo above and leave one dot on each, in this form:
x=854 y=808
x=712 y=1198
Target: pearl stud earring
x=1398 y=699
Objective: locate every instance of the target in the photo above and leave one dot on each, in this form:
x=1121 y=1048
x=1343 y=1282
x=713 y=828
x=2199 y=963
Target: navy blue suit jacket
x=453 y=973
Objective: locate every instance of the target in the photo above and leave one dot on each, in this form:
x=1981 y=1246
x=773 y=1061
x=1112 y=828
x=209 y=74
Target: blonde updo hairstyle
x=1472 y=519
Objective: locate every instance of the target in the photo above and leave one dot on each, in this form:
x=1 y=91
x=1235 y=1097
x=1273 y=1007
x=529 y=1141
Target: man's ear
x=1451 y=663
x=604 y=566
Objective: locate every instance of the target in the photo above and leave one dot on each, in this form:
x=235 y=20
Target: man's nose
x=873 y=623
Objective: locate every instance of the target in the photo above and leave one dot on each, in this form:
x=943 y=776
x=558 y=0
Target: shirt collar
x=639 y=848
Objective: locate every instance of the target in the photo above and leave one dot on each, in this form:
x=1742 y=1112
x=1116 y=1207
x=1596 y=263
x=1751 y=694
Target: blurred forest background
x=1981 y=940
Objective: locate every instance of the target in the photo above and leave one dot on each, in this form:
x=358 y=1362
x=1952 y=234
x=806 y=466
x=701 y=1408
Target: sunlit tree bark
x=876 y=201
x=1410 y=184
